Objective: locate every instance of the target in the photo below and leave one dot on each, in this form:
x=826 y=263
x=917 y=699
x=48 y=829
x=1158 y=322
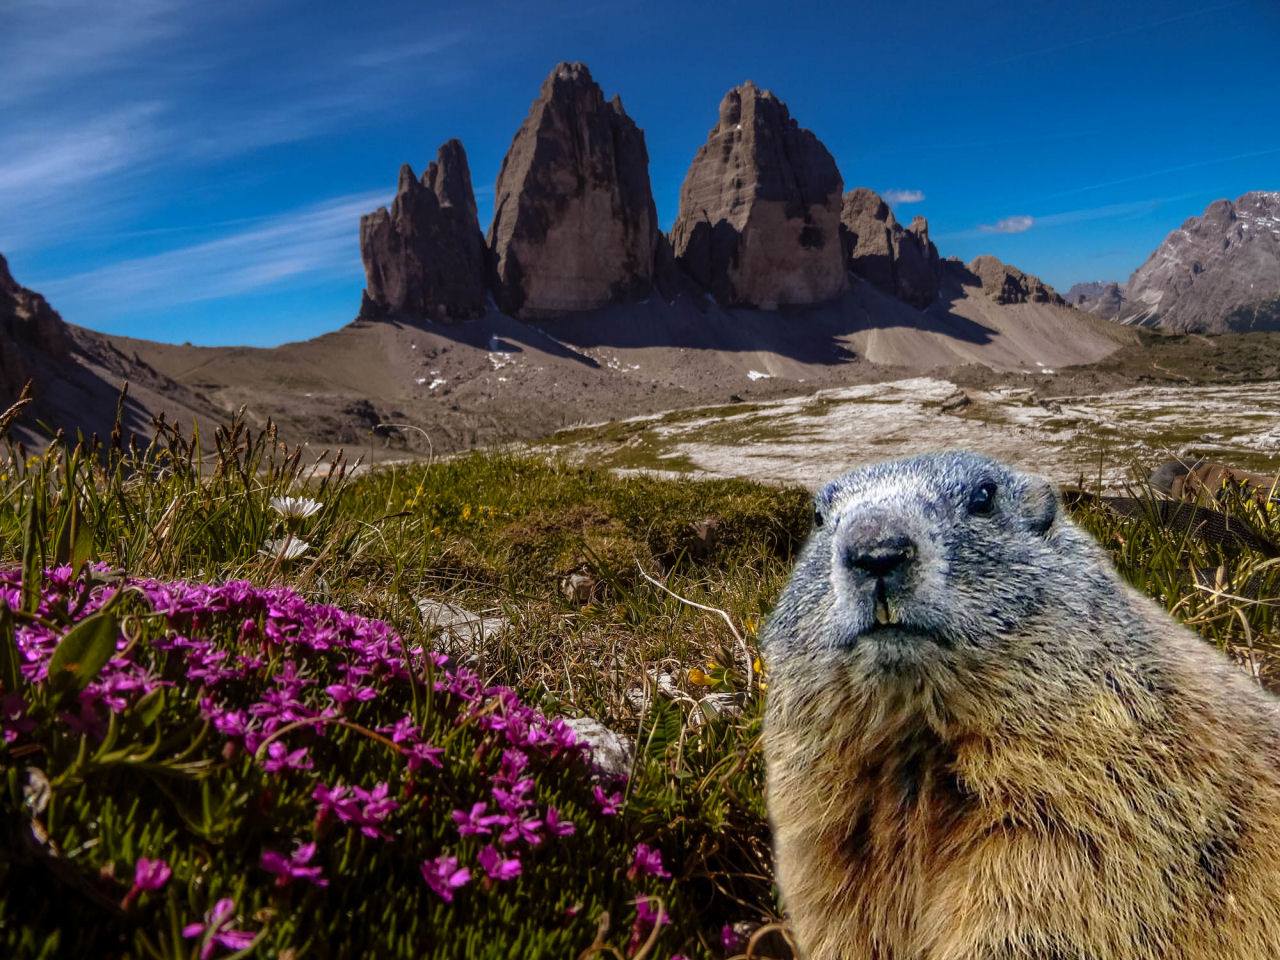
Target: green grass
x=497 y=533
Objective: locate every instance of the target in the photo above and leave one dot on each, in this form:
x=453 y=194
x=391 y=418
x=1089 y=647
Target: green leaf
x=32 y=559
x=82 y=545
x=84 y=651
x=149 y=708
x=67 y=528
x=10 y=677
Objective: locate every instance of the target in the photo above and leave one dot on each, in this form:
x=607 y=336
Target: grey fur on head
x=929 y=558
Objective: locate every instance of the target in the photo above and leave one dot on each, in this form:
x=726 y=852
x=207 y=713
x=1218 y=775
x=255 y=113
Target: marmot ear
x=1041 y=505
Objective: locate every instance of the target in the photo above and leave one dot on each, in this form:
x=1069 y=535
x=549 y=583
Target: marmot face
x=920 y=565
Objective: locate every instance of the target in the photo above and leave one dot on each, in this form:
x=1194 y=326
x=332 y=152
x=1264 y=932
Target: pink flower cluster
x=293 y=673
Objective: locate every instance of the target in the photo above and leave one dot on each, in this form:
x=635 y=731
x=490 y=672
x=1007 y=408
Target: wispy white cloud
x=904 y=196
x=413 y=50
x=1020 y=223
x=48 y=43
x=1143 y=27
x=86 y=139
x=50 y=173
x=1110 y=211
x=315 y=241
x=1148 y=174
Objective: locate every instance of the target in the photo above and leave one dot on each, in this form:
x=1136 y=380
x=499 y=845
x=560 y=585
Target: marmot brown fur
x=983 y=745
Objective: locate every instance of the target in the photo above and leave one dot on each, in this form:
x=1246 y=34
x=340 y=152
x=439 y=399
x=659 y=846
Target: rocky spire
x=901 y=263
x=1004 y=283
x=760 y=208
x=574 y=223
x=425 y=257
x=27 y=323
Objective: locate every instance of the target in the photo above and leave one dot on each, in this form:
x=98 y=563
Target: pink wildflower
x=443 y=875
x=609 y=804
x=151 y=874
x=279 y=758
x=216 y=931
x=647 y=860
x=556 y=826
x=731 y=940
x=294 y=867
x=497 y=866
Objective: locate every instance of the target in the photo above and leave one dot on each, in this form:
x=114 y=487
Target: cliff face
x=759 y=220
x=903 y=263
x=425 y=257
x=27 y=323
x=574 y=224
x=1216 y=273
x=1101 y=297
x=1007 y=284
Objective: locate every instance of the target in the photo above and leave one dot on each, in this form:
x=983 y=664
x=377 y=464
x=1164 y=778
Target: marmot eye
x=982 y=499
x=817 y=517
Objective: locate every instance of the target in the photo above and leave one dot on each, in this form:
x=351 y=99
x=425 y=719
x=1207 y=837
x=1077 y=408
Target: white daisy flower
x=288 y=548
x=295 y=508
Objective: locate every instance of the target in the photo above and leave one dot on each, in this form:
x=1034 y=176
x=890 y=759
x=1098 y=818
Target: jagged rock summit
x=903 y=263
x=574 y=224
x=1216 y=273
x=425 y=257
x=27 y=323
x=1007 y=284
x=1104 y=298
x=759 y=219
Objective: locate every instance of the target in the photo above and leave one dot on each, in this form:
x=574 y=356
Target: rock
x=661 y=681
x=901 y=263
x=759 y=219
x=610 y=752
x=462 y=634
x=425 y=257
x=717 y=706
x=574 y=225
x=1006 y=284
x=1218 y=272
x=706 y=537
x=1102 y=298
x=954 y=401
x=1200 y=480
x=28 y=325
x=580 y=588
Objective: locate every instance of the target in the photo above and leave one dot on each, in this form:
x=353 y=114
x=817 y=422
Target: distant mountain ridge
x=1217 y=273
x=764 y=222
x=576 y=306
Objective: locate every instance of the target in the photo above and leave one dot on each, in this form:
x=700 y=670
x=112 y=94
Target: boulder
x=1007 y=284
x=425 y=257
x=574 y=224
x=903 y=263
x=759 y=219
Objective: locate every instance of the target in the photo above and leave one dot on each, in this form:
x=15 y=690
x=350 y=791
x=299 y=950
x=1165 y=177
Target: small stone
x=580 y=588
x=462 y=634
x=610 y=752
x=716 y=706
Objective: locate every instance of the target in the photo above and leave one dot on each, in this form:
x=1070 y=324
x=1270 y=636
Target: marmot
x=982 y=745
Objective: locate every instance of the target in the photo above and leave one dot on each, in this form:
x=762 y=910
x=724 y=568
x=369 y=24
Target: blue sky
x=195 y=171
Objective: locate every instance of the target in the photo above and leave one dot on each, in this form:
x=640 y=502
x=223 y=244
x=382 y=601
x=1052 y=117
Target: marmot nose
x=881 y=557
